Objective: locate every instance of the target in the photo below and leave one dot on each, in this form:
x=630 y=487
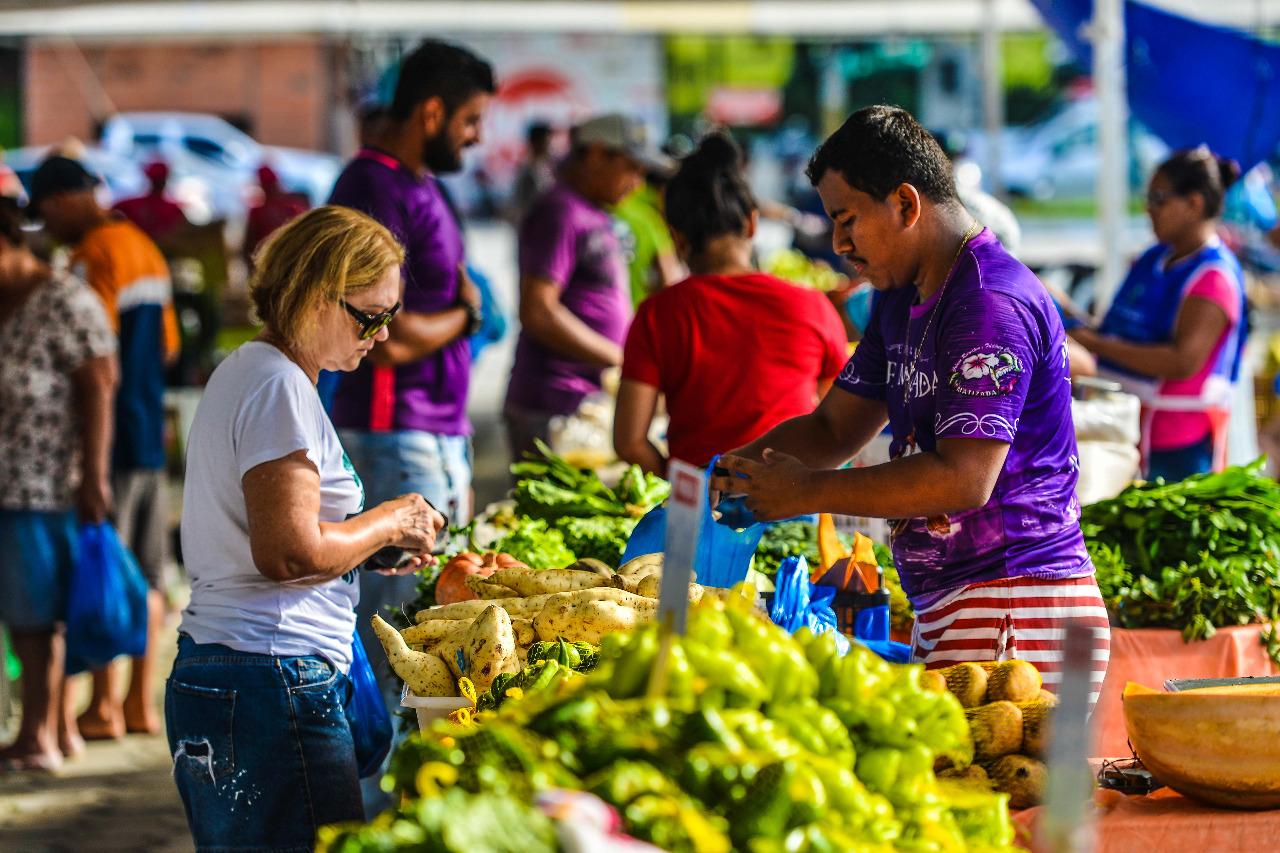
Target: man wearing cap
x=121 y=264
x=575 y=302
x=151 y=211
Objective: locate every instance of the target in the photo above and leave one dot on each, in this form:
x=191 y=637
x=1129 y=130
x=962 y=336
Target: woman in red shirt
x=735 y=351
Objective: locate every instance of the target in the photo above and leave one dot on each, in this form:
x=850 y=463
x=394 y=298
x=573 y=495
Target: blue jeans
x=262 y=748
x=390 y=464
x=1181 y=462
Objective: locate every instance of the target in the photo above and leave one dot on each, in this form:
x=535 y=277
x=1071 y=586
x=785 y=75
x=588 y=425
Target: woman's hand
x=777 y=488
x=416 y=524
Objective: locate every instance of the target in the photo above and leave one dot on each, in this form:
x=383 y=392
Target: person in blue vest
x=1176 y=331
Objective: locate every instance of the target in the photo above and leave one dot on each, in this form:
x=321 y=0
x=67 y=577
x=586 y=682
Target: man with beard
x=402 y=416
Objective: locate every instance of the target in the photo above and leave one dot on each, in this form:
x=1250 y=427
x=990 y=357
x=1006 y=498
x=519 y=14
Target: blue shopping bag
x=797 y=604
x=107 y=606
x=724 y=552
x=367 y=713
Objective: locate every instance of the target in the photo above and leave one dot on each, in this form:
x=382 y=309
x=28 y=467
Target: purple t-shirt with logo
x=431 y=394
x=993 y=365
x=568 y=240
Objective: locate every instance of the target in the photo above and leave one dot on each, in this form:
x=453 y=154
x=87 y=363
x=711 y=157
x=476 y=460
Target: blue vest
x=1146 y=307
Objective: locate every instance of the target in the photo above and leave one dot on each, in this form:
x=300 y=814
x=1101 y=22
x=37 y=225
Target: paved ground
x=118 y=798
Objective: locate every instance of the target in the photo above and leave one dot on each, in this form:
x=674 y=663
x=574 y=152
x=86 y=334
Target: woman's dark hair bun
x=717 y=151
x=709 y=196
x=1229 y=170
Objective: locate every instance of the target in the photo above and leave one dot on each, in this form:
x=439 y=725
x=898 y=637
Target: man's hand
x=780 y=487
x=93 y=500
x=468 y=292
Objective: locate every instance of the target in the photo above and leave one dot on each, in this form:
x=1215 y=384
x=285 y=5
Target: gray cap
x=623 y=133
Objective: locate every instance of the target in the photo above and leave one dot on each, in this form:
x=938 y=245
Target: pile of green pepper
x=548 y=664
x=759 y=742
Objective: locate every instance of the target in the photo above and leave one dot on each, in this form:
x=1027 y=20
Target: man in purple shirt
x=575 y=301
x=965 y=357
x=402 y=415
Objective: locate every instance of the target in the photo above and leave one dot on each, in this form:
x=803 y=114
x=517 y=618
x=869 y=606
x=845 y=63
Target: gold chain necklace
x=911 y=373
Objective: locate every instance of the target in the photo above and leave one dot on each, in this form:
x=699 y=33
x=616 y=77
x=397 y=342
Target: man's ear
x=908 y=201
x=432 y=115
x=752 y=224
x=682 y=245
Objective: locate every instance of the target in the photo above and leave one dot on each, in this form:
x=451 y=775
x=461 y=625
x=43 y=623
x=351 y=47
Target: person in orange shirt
x=152 y=212
x=124 y=267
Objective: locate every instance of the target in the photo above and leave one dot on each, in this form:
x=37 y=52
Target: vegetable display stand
x=1152 y=655
x=1163 y=822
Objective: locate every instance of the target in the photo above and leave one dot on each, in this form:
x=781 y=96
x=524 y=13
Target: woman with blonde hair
x=273 y=530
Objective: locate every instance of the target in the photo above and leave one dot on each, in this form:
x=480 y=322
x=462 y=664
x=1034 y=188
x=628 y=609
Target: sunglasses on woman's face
x=371 y=324
x=1156 y=198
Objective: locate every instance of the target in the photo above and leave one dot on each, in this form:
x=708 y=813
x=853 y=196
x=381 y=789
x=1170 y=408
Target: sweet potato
x=487 y=648
x=434 y=630
x=649 y=585
x=525 y=608
x=528 y=582
x=487 y=590
x=431 y=632
x=590 y=614
x=426 y=674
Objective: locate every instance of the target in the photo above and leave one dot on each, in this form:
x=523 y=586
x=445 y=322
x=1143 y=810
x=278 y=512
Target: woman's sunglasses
x=371 y=324
x=1157 y=198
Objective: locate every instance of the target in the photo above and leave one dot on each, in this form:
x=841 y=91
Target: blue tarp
x=1189 y=82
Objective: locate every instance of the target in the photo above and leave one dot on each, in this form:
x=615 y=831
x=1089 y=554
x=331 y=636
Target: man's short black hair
x=879 y=148
x=438 y=69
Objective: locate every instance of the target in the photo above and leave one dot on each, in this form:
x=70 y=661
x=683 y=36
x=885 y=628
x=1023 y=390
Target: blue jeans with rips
x=391 y=464
x=262 y=748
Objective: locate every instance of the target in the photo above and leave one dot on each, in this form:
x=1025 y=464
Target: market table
x=1149 y=656
x=1164 y=822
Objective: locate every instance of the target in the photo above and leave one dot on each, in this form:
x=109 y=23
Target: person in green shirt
x=646 y=239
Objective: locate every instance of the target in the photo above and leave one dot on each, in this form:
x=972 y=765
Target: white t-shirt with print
x=259 y=406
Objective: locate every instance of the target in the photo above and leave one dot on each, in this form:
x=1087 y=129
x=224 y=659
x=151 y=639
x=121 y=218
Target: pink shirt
x=1170 y=430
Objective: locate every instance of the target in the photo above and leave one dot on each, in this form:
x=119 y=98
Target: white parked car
x=208 y=150
x=1058 y=157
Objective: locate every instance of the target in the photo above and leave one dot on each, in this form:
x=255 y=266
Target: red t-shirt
x=734 y=356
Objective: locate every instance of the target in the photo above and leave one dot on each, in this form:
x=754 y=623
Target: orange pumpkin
x=451 y=587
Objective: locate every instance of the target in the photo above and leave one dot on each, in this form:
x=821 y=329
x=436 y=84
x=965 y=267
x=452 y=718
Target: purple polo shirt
x=568 y=240
x=993 y=366
x=431 y=394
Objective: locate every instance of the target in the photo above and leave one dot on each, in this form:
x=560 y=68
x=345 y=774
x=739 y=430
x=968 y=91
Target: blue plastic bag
x=493 y=324
x=367 y=713
x=724 y=553
x=797 y=603
x=107 y=606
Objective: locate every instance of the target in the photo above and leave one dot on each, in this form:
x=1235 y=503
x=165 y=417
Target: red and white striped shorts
x=1022 y=618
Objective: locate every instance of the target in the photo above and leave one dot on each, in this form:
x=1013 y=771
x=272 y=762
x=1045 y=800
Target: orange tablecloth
x=1165 y=822
x=1149 y=656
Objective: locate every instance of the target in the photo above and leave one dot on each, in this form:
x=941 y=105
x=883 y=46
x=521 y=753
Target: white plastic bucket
x=431 y=708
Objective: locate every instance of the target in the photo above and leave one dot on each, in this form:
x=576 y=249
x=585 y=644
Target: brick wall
x=283 y=90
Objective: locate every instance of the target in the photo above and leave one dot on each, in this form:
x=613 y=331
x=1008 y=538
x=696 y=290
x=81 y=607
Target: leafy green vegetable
x=603 y=538
x=537 y=545
x=549 y=487
x=786 y=539
x=1196 y=555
